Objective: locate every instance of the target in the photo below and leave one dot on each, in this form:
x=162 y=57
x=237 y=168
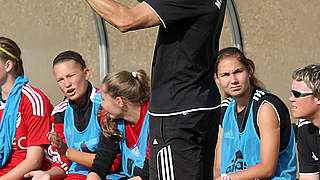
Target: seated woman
x=126 y=128
x=256 y=139
x=75 y=123
x=25 y=117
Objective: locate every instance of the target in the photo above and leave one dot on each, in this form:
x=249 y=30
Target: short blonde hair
x=311 y=76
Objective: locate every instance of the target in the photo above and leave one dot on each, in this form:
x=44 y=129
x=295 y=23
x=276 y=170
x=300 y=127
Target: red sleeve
x=57 y=159
x=36 y=113
x=133 y=132
x=103 y=114
x=116 y=166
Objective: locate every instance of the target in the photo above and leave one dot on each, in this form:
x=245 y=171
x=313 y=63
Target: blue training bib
x=135 y=156
x=86 y=140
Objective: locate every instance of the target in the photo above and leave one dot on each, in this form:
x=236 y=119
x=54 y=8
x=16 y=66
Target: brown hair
x=15 y=54
x=248 y=64
x=109 y=126
x=134 y=87
x=69 y=55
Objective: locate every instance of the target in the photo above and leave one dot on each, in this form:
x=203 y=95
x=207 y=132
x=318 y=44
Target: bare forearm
x=124 y=18
x=83 y=158
x=21 y=169
x=111 y=11
x=258 y=171
x=56 y=173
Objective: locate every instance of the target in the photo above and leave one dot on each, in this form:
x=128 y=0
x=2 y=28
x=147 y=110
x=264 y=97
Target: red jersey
x=33 y=124
x=133 y=132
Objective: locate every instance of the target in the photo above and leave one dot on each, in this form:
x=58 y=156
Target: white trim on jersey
x=35 y=100
x=2 y=105
x=226 y=102
x=183 y=112
x=303 y=122
x=56 y=158
x=60 y=107
x=93 y=94
x=165 y=164
x=258 y=94
x=29 y=88
x=162 y=22
x=265 y=101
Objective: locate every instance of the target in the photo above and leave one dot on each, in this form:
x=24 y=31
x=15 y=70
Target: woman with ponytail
x=24 y=115
x=125 y=96
x=256 y=139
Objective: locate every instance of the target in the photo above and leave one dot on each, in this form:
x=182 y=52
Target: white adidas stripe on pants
x=164 y=164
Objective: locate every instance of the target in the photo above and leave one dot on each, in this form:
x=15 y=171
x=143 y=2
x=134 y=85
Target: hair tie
x=134 y=74
x=8 y=53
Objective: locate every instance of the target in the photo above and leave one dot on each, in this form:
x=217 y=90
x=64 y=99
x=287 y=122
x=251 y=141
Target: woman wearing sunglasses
x=256 y=139
x=305 y=91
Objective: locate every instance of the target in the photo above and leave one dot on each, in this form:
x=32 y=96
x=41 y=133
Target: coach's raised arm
x=123 y=17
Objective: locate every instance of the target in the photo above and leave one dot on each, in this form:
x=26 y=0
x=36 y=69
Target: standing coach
x=184 y=97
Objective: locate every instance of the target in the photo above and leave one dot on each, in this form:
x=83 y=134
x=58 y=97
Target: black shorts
x=183 y=146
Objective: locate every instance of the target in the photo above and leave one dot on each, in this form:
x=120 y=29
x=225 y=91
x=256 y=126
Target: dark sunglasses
x=297 y=94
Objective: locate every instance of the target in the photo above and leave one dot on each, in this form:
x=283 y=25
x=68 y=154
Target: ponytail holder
x=134 y=74
x=8 y=53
